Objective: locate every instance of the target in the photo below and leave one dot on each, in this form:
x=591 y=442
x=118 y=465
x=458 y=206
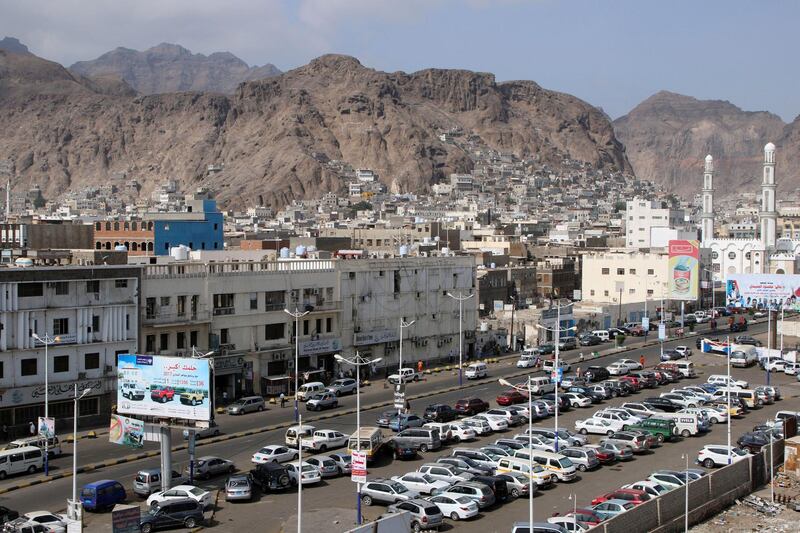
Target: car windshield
x=565 y=463
x=87 y=493
x=739 y=451
x=196 y=491
x=399 y=488
x=141 y=478
x=428 y=478
x=239 y=482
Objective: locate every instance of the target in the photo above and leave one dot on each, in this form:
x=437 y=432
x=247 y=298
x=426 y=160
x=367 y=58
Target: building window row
x=126 y=226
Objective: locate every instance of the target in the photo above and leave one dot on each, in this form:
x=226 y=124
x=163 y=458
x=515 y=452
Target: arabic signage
x=320 y=346
x=57 y=391
x=763 y=290
x=684 y=270
x=662 y=331
x=47 y=426
x=66 y=338
x=358 y=467
x=376 y=337
x=400 y=396
x=126 y=431
x=166 y=387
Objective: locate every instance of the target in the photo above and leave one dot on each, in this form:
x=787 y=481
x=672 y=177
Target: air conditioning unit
x=108 y=369
x=81 y=375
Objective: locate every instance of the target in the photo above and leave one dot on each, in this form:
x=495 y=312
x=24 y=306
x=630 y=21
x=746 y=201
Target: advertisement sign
x=375 y=337
x=646 y=323
x=684 y=270
x=763 y=290
x=400 y=396
x=662 y=332
x=126 y=519
x=47 y=426
x=358 y=467
x=556 y=375
x=319 y=346
x=126 y=431
x=166 y=387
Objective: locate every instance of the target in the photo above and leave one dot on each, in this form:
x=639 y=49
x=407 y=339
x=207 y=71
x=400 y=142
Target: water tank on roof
x=493 y=265
x=23 y=262
x=120 y=248
x=484 y=326
x=284 y=253
x=404 y=251
x=426 y=240
x=300 y=251
x=179 y=253
x=445 y=251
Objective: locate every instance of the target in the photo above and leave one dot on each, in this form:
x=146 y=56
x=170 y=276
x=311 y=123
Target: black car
x=747 y=339
x=467 y=464
x=496 y=483
x=7 y=515
x=271 y=476
x=671 y=355
x=595 y=396
x=568 y=343
x=403 y=449
x=753 y=441
x=563 y=403
x=597 y=373
x=663 y=404
x=183 y=512
x=440 y=412
x=590 y=340
x=617 y=388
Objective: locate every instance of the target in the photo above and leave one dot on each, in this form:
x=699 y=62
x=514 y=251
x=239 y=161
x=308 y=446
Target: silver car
x=322 y=400
x=424 y=514
x=343 y=386
x=209 y=466
x=239 y=487
x=343 y=462
x=326 y=465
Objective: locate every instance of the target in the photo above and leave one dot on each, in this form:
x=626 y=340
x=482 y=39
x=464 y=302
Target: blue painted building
x=199 y=227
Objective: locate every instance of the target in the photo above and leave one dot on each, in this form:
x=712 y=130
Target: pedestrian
x=283 y=400
x=224 y=397
x=580 y=357
x=578 y=372
x=641 y=360
x=408 y=406
x=32 y=429
x=419 y=366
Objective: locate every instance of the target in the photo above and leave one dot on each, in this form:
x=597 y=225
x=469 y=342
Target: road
x=339 y=492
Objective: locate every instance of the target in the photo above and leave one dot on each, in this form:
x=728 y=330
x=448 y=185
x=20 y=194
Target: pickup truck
x=404 y=376
x=324 y=439
x=162 y=394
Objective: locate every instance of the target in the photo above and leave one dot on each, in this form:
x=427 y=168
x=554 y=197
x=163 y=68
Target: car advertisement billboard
x=763 y=290
x=165 y=387
x=684 y=269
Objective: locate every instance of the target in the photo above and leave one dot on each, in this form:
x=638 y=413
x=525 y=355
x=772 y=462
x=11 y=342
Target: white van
x=307 y=390
x=743 y=356
x=513 y=464
x=295 y=433
x=527 y=359
x=53 y=444
x=542 y=385
x=559 y=466
x=686 y=424
x=686 y=368
x=602 y=334
x=28 y=459
x=477 y=370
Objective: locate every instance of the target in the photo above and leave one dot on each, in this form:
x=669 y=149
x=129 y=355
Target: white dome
x=769 y=147
x=709 y=158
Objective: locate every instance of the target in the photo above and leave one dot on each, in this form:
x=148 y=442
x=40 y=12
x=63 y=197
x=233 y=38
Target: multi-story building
x=90 y=316
x=643 y=215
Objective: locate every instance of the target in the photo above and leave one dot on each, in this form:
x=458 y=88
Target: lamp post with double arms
x=461 y=299
x=403 y=325
x=47 y=340
x=73 y=507
x=297 y=316
x=357 y=361
x=528 y=389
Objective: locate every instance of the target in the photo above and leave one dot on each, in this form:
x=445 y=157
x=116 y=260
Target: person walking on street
x=283 y=400
x=641 y=360
x=32 y=429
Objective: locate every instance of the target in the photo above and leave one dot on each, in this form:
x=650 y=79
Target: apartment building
x=90 y=316
x=643 y=215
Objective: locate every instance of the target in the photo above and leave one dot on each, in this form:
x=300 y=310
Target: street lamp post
x=73 y=507
x=728 y=396
x=461 y=299
x=403 y=325
x=771 y=466
x=686 y=494
x=297 y=315
x=299 y=478
x=529 y=389
x=357 y=361
x=47 y=340
x=769 y=340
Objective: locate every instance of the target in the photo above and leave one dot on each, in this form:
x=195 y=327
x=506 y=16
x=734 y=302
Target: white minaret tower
x=768 y=216
x=707 y=218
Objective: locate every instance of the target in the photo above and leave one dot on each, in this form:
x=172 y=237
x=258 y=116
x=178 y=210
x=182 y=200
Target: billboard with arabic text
x=763 y=290
x=164 y=387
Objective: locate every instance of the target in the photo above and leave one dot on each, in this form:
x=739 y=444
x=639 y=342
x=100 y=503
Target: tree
x=619 y=205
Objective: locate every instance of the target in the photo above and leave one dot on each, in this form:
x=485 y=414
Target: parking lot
x=280 y=508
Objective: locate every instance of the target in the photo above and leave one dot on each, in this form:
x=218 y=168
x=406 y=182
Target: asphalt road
x=339 y=492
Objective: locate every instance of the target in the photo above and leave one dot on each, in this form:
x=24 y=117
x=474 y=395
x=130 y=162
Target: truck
x=404 y=375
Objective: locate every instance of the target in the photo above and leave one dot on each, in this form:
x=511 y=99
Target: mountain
x=65 y=133
x=12 y=44
x=668 y=135
x=170 y=68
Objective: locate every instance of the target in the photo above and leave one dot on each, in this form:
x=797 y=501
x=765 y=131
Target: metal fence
x=707 y=496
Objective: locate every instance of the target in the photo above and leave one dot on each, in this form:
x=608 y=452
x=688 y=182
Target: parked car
x=324 y=439
x=637 y=443
x=583 y=458
x=101 y=495
x=480 y=493
x=618 y=369
x=148 y=481
x=596 y=373
x=576 y=399
x=631 y=495
x=568 y=343
x=307 y=474
x=455 y=507
x=271 y=477
x=403 y=450
x=404 y=421
x=468 y=465
x=471 y=406
x=385 y=491
x=343 y=462
x=404 y=375
x=586 y=516
x=239 y=487
x=440 y=412
x=274 y=454
x=568 y=523
x=753 y=441
x=650 y=487
x=510 y=397
x=621 y=452
x=445 y=472
x=210 y=466
x=508 y=414
x=422 y=483
x=685 y=351
x=322 y=400
x=181 y=492
x=662 y=404
x=517 y=483
x=327 y=467
x=669 y=479
x=424 y=514
x=712 y=455
x=175 y=513
x=590 y=340
x=612 y=508
x=343 y=386
x=249 y=404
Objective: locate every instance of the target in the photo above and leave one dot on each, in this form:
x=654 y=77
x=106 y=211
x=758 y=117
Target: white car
x=713 y=414
x=404 y=375
x=650 y=487
x=537 y=441
x=683 y=401
x=311 y=473
x=617 y=415
x=685 y=351
x=791 y=369
x=632 y=365
x=506 y=413
x=182 y=491
x=459 y=432
x=774 y=365
x=53 y=522
x=422 y=483
x=576 y=399
x=479 y=426
x=455 y=507
x=274 y=454
x=723 y=381
x=597 y=426
x=570 y=523
x=325 y=439
x=717 y=455
x=496 y=423
x=618 y=369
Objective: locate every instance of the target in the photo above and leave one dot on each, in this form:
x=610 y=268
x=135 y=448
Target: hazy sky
x=612 y=53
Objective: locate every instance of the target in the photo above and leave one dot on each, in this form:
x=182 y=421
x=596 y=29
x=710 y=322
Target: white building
x=91 y=314
x=642 y=216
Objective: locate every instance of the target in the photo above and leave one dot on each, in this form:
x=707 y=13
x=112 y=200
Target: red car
x=631 y=495
x=471 y=406
x=636 y=331
x=633 y=381
x=604 y=456
x=510 y=397
x=162 y=394
x=586 y=516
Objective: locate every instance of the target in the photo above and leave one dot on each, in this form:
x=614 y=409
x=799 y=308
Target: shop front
x=229 y=379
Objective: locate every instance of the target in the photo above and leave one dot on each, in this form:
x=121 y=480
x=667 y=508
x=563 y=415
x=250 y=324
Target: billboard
x=47 y=427
x=165 y=387
x=684 y=270
x=763 y=290
x=126 y=431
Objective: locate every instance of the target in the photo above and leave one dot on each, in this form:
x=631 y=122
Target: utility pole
x=461 y=299
x=297 y=315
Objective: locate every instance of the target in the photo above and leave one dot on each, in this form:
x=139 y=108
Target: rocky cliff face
x=168 y=68
x=12 y=44
x=668 y=136
x=63 y=131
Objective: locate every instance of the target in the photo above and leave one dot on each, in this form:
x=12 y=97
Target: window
x=181 y=340
x=62 y=287
x=150 y=308
x=620 y=272
x=120 y=283
x=2 y=373
x=223 y=304
x=328 y=325
x=60 y=326
x=163 y=343
x=605 y=271
x=732 y=255
x=274 y=331
x=631 y=291
x=253 y=301
x=61 y=363
x=181 y=305
x=650 y=271
x=88 y=407
x=223 y=336
x=318 y=329
x=95 y=323
x=93 y=286
x=274 y=300
x=28 y=367
x=591 y=292
x=91 y=361
x=632 y=271
x=605 y=293
x=193 y=338
x=165 y=301
x=29 y=290
x=150 y=344
x=649 y=292
x=305 y=327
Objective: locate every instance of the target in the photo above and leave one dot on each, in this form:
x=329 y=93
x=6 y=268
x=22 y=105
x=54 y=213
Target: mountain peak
x=13 y=45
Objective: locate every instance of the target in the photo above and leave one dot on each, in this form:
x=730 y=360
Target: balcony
x=172 y=319
x=319 y=305
x=222 y=311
